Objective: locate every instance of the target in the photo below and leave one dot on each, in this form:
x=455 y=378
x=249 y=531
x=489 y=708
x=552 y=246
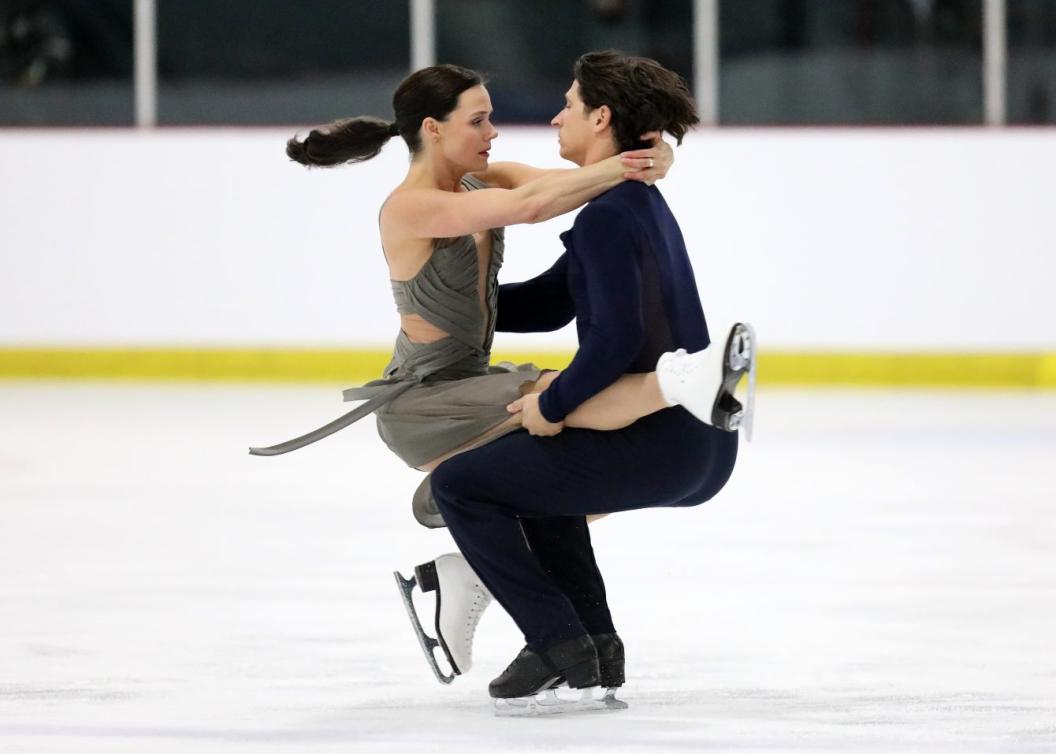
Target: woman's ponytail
x=348 y=140
x=432 y=92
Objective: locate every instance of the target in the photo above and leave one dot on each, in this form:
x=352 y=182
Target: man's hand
x=532 y=419
x=649 y=165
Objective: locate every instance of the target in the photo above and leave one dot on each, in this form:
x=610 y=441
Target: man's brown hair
x=642 y=95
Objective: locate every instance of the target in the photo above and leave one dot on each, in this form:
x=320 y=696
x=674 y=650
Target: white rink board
x=827 y=238
x=878 y=576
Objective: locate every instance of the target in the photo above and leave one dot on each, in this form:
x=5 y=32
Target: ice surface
x=880 y=575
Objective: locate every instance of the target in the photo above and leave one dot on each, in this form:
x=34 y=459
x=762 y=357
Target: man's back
x=633 y=293
x=670 y=304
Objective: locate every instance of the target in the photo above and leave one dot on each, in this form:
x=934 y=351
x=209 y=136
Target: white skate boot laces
x=461 y=603
x=481 y=600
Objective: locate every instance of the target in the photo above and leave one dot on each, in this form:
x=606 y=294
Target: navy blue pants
x=515 y=507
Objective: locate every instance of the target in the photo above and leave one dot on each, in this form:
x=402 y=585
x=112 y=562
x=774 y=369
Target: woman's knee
x=449 y=480
x=542 y=383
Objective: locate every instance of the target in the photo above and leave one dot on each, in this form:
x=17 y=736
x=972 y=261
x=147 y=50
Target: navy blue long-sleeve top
x=626 y=278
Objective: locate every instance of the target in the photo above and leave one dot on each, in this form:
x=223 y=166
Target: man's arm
x=606 y=246
x=542 y=304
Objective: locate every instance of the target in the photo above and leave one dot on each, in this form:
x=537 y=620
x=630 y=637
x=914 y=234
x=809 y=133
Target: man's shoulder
x=605 y=223
x=632 y=194
x=616 y=204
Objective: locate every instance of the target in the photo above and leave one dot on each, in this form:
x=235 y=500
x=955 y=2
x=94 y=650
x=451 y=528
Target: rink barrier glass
x=351 y=366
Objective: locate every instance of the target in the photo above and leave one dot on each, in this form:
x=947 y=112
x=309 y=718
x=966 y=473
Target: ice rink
x=880 y=575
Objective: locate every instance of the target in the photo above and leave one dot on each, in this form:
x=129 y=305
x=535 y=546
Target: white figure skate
x=461 y=600
x=704 y=382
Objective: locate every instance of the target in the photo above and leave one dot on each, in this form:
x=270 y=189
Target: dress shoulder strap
x=473 y=183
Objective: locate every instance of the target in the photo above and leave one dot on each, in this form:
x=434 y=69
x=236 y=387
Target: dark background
x=794 y=62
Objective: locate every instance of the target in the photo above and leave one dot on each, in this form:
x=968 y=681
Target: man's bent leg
x=490 y=537
x=482 y=493
x=562 y=547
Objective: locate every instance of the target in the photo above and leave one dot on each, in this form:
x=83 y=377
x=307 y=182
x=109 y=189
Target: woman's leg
x=619 y=405
x=634 y=396
x=702 y=382
x=513 y=421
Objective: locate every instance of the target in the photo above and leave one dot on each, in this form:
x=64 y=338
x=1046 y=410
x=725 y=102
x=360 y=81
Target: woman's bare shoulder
x=400 y=205
x=404 y=251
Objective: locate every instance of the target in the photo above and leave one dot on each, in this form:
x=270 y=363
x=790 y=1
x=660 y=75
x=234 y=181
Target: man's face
x=574 y=132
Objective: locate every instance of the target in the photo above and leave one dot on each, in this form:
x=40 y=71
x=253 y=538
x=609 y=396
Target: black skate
x=610 y=660
x=460 y=602
x=531 y=685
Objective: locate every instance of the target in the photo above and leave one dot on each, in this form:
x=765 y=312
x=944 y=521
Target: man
x=516 y=507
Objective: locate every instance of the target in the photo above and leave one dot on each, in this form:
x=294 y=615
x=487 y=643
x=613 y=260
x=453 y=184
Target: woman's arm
x=433 y=213
x=511 y=175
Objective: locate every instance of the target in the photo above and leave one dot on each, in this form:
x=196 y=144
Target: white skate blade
x=560 y=701
x=750 y=356
x=428 y=643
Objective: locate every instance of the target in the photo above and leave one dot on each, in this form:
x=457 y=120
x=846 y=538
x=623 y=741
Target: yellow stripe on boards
x=352 y=366
x=1000 y=370
x=223 y=364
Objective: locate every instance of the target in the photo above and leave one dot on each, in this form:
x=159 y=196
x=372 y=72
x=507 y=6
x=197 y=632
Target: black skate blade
x=749 y=358
x=739 y=359
x=428 y=643
x=561 y=701
x=749 y=401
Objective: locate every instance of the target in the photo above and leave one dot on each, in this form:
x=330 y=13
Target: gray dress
x=456 y=394
x=434 y=398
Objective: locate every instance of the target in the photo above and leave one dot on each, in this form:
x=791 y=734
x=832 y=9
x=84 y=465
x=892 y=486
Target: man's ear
x=600 y=118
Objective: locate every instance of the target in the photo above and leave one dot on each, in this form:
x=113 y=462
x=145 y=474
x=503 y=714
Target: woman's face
x=465 y=137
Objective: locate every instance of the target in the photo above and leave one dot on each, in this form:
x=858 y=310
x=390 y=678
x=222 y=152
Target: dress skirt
x=430 y=420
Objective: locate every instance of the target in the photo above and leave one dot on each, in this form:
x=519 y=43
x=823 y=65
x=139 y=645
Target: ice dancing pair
x=516 y=505
x=516 y=502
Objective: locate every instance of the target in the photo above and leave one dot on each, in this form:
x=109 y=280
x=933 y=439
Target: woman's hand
x=649 y=165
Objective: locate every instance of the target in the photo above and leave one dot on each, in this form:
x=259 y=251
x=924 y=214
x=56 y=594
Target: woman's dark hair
x=642 y=95
x=429 y=93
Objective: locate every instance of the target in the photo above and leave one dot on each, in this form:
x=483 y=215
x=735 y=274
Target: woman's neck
x=428 y=171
